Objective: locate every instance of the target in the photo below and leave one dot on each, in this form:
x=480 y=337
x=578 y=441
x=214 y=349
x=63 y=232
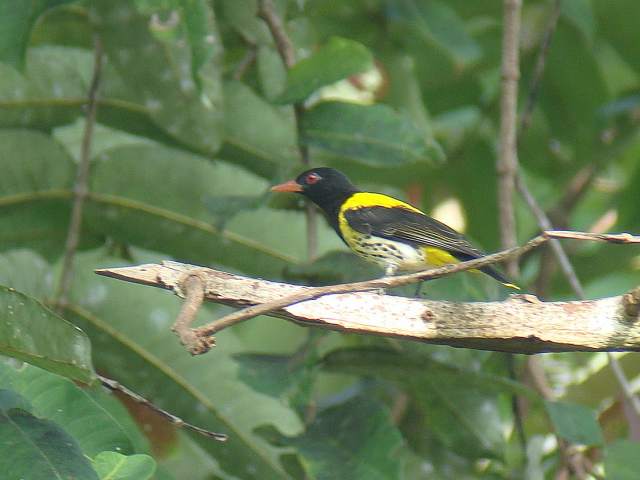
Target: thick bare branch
x=521 y=324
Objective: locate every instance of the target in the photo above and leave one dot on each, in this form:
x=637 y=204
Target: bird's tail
x=499 y=276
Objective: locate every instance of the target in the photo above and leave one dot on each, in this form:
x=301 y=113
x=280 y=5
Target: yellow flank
x=437 y=257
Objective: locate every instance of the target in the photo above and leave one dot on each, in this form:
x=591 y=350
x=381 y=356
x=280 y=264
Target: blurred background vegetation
x=195 y=120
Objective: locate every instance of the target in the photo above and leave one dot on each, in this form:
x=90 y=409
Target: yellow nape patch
x=437 y=257
x=366 y=199
x=512 y=285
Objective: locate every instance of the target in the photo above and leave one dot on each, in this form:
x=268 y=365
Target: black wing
x=404 y=225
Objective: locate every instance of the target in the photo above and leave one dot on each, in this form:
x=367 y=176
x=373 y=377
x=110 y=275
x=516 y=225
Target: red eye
x=312 y=178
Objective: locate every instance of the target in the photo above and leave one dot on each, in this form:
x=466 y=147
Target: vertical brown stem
x=507 y=164
x=81 y=189
x=266 y=11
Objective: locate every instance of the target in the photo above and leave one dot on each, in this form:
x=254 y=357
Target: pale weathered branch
x=520 y=324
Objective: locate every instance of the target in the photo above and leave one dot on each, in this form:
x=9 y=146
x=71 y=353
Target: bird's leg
x=389 y=271
x=418 y=288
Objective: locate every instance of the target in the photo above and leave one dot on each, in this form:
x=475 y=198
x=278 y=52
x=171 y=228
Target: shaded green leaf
x=151 y=209
x=10 y=399
x=354 y=440
x=616 y=20
x=94 y=418
x=114 y=466
x=258 y=135
x=439 y=24
x=459 y=406
x=16 y=21
x=34 y=191
x=145 y=356
x=622 y=461
x=31 y=332
x=374 y=135
x=575 y=423
x=40 y=450
x=336 y=60
x=161 y=72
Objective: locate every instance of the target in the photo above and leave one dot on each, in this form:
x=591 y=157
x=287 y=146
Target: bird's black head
x=326 y=187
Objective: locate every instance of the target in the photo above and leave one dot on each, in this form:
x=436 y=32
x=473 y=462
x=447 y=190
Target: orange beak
x=290 y=186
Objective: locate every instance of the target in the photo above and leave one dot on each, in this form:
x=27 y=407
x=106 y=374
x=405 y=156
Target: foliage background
x=194 y=123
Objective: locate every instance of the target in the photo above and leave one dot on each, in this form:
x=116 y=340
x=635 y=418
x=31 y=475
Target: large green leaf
x=34 y=191
x=354 y=440
x=573 y=91
x=16 y=21
x=94 y=418
x=167 y=212
x=439 y=24
x=53 y=90
x=575 y=423
x=258 y=135
x=336 y=60
x=374 y=135
x=459 y=406
x=31 y=332
x=161 y=72
x=130 y=330
x=40 y=450
x=114 y=466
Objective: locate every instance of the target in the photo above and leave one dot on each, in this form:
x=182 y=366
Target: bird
x=382 y=229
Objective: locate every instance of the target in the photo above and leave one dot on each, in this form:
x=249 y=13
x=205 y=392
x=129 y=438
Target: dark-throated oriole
x=382 y=229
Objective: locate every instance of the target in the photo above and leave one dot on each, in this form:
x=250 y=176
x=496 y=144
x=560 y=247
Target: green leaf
x=258 y=136
x=53 y=89
x=575 y=423
x=571 y=105
x=440 y=25
x=621 y=460
x=32 y=333
x=34 y=191
x=459 y=405
x=94 y=418
x=336 y=60
x=16 y=21
x=10 y=400
x=40 y=450
x=161 y=72
x=114 y=466
x=242 y=16
x=354 y=440
x=149 y=209
x=616 y=21
x=373 y=135
x=145 y=356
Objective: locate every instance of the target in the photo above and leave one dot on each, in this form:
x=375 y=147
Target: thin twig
x=400 y=280
x=246 y=62
x=507 y=164
x=81 y=188
x=177 y=421
x=538 y=71
x=267 y=11
x=545 y=224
